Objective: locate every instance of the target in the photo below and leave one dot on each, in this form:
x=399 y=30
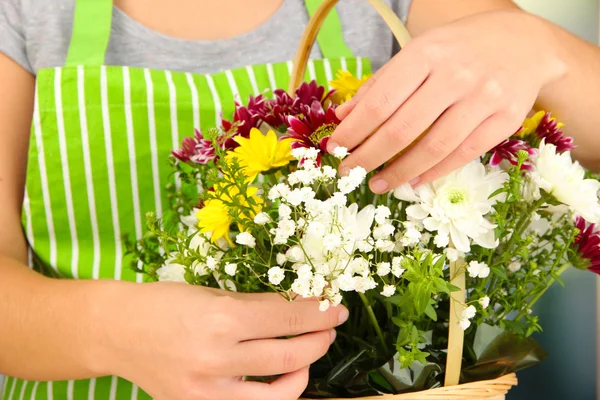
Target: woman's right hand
x=181 y=342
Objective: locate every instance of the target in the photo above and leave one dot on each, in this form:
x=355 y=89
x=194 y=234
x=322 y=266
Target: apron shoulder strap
x=331 y=36
x=91 y=32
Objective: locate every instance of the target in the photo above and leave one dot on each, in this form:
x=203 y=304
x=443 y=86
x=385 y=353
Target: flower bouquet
x=440 y=279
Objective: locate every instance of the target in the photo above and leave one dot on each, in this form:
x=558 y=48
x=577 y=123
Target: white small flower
x=246 y=239
x=353 y=180
x=503 y=292
x=299 y=153
x=384 y=268
x=329 y=172
x=211 y=263
x=318 y=284
x=276 y=275
x=346 y=283
x=441 y=241
x=295 y=254
x=364 y=283
x=397 y=271
x=411 y=237
x=564 y=179
x=387 y=246
x=171 y=272
x=452 y=254
x=338 y=199
x=536 y=272
x=478 y=270
x=231 y=269
x=514 y=266
x=388 y=291
x=382 y=213
x=383 y=231
x=312 y=153
x=284 y=211
x=301 y=287
x=364 y=246
x=425 y=238
x=261 y=218
x=278 y=191
x=337 y=299
x=484 y=302
x=281 y=259
x=469 y=312
x=304 y=272
x=464 y=324
x=332 y=241
x=340 y=152
x=296 y=197
x=324 y=305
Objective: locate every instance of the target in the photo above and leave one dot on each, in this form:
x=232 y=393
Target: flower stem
x=374 y=321
x=541 y=293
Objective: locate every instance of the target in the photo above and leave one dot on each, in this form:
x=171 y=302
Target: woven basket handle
x=455 y=334
x=314 y=26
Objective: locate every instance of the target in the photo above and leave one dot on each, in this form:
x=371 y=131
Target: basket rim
x=486 y=389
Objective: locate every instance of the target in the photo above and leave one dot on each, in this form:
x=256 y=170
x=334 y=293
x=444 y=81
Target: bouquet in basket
x=258 y=206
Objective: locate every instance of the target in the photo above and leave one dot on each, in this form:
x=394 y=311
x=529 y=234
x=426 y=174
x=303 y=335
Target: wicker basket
x=492 y=389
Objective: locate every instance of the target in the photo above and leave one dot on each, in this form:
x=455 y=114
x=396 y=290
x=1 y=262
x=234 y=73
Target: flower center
x=456 y=197
x=322 y=132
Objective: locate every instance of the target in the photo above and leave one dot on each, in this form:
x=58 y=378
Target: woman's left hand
x=448 y=97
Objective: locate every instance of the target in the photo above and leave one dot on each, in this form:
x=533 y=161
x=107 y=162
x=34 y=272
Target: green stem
x=540 y=294
x=373 y=319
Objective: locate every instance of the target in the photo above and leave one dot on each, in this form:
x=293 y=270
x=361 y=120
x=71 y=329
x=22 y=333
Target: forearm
x=575 y=98
x=53 y=329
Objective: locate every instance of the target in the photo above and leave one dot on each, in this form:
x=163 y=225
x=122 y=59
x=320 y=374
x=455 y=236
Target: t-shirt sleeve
x=13 y=41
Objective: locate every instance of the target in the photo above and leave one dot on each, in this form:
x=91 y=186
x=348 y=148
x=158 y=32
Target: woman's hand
x=180 y=342
x=448 y=97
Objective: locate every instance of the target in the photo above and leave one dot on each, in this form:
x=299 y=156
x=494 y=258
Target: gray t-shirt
x=36 y=34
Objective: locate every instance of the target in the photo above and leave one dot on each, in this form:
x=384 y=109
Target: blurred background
x=569 y=315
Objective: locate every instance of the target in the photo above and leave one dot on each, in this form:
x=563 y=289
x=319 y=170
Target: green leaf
x=430 y=312
x=499 y=272
x=453 y=288
x=442 y=286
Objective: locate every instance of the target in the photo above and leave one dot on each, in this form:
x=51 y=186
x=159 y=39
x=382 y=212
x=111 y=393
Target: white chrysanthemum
x=478 y=270
x=340 y=152
x=514 y=266
x=231 y=269
x=384 y=268
x=262 y=218
x=484 y=302
x=565 y=180
x=246 y=239
x=276 y=275
x=388 y=291
x=171 y=272
x=456 y=205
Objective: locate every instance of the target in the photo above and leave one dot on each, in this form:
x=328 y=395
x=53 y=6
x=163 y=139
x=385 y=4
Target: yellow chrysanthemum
x=227 y=205
x=346 y=85
x=260 y=153
x=531 y=124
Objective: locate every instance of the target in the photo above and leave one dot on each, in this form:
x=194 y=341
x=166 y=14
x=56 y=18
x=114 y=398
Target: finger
x=288 y=387
x=446 y=134
x=342 y=111
x=267 y=320
x=387 y=94
x=422 y=109
x=280 y=356
x=483 y=139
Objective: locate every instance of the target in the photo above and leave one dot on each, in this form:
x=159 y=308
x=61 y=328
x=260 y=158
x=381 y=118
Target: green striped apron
x=98 y=159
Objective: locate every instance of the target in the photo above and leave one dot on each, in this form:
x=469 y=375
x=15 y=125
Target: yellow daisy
x=260 y=153
x=214 y=218
x=346 y=85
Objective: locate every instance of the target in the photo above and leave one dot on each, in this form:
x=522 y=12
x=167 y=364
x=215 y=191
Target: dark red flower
x=587 y=243
x=196 y=149
x=307 y=93
x=245 y=118
x=313 y=127
x=549 y=129
x=508 y=149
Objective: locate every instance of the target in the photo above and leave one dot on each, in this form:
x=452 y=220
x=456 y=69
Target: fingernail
x=333 y=335
x=379 y=186
x=415 y=181
x=331 y=146
x=343 y=317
